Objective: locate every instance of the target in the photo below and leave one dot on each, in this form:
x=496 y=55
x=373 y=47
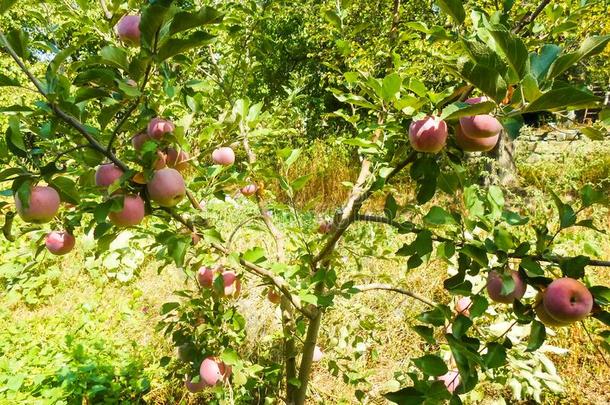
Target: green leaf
x=333 y=18
x=66 y=188
x=590 y=46
x=5 y=5
x=175 y=46
x=488 y=80
x=177 y=249
x=512 y=125
x=567 y=216
x=301 y=182
x=574 y=267
x=169 y=307
x=477 y=254
x=513 y=47
x=438 y=216
x=601 y=294
x=426 y=333
x=435 y=317
x=230 y=357
x=390 y=207
x=151 y=20
x=592 y=133
x=18 y=40
x=406 y=396
x=6 y=81
x=562 y=98
x=532 y=268
x=495 y=356
x=390 y=86
x=183 y=20
x=453 y=8
x=513 y=218
x=539 y=63
x=431 y=365
x=537 y=336
x=460 y=109
x=590 y=196
x=115 y=56
x=254 y=255
x=531 y=91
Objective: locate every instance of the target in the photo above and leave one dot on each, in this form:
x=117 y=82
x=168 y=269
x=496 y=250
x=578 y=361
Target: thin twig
x=387 y=287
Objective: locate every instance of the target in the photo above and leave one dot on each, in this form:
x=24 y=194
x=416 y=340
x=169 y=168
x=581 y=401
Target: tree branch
x=529 y=18
x=387 y=287
x=70 y=120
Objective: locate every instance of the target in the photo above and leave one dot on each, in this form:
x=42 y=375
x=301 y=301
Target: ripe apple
x=273 y=296
x=213 y=371
x=59 y=243
x=567 y=300
x=463 y=305
x=128 y=29
x=324 y=226
x=178 y=160
x=249 y=190
x=232 y=284
x=43 y=205
x=317 y=354
x=494 y=287
x=223 y=156
x=158 y=127
x=451 y=379
x=470 y=144
x=131 y=214
x=139 y=140
x=107 y=174
x=167 y=187
x=480 y=126
x=543 y=315
x=428 y=134
x=205 y=276
x=160 y=161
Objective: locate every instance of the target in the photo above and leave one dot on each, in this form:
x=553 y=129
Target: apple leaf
x=431 y=365
x=537 y=336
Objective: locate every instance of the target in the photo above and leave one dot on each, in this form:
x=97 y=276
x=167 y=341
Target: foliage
x=223 y=75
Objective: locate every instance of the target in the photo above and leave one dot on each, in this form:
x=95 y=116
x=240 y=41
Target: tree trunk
x=502 y=168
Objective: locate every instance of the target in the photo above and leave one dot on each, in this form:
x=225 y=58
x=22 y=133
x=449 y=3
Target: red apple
x=273 y=296
x=544 y=316
x=469 y=144
x=213 y=371
x=158 y=127
x=59 y=243
x=480 y=126
x=567 y=300
x=249 y=190
x=463 y=305
x=178 y=160
x=160 y=161
x=131 y=214
x=223 y=156
x=451 y=380
x=231 y=283
x=128 y=29
x=428 y=134
x=138 y=140
x=205 y=276
x=167 y=187
x=43 y=205
x=107 y=174
x=494 y=287
x=324 y=226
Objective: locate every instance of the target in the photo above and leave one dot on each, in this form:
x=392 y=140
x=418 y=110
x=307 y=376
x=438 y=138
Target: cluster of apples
x=211 y=372
x=562 y=303
x=477 y=133
x=207 y=275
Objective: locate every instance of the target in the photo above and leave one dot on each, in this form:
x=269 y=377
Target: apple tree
x=133 y=115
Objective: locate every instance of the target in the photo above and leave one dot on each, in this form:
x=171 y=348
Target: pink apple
x=567 y=300
x=59 y=243
x=273 y=296
x=428 y=134
x=139 y=140
x=544 y=316
x=194 y=387
x=232 y=285
x=494 y=288
x=128 y=29
x=469 y=144
x=249 y=190
x=131 y=214
x=463 y=306
x=205 y=276
x=223 y=156
x=43 y=205
x=318 y=354
x=178 y=160
x=158 y=127
x=451 y=379
x=213 y=371
x=107 y=174
x=167 y=187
